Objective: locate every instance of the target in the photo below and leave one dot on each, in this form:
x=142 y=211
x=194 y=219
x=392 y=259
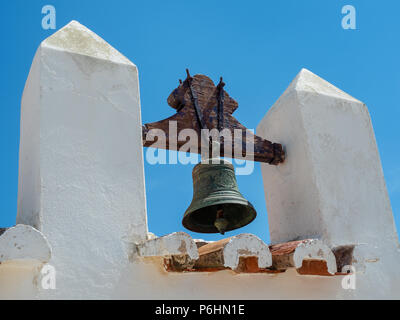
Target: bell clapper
x=220 y=222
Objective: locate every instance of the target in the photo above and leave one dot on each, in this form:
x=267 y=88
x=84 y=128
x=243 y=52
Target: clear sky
x=257 y=46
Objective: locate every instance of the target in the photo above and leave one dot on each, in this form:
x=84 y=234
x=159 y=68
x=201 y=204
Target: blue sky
x=257 y=46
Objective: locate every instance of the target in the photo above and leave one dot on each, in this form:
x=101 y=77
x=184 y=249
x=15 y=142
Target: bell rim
x=251 y=210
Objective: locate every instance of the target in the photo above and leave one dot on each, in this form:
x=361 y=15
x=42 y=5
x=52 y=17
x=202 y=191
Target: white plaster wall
x=331 y=186
x=142 y=280
x=225 y=285
x=81 y=163
x=23 y=242
x=18 y=281
x=81 y=184
x=289 y=187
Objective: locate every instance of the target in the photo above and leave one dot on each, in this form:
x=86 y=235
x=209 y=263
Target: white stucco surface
x=331 y=186
x=24 y=244
x=177 y=243
x=315 y=250
x=81 y=178
x=23 y=252
x=246 y=245
x=81 y=184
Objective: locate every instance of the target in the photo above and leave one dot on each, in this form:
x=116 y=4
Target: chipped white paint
x=314 y=250
x=177 y=243
x=246 y=245
x=24 y=244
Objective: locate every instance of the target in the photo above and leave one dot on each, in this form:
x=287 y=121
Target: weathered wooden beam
x=196 y=96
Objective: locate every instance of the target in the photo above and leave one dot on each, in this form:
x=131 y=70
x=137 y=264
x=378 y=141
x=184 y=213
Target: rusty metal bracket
x=221 y=95
x=194 y=99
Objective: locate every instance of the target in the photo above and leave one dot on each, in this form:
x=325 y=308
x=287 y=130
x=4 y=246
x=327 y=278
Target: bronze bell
x=217 y=204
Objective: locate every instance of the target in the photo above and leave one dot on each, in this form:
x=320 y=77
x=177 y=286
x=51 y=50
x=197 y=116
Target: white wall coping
x=23 y=243
x=177 y=243
x=246 y=245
